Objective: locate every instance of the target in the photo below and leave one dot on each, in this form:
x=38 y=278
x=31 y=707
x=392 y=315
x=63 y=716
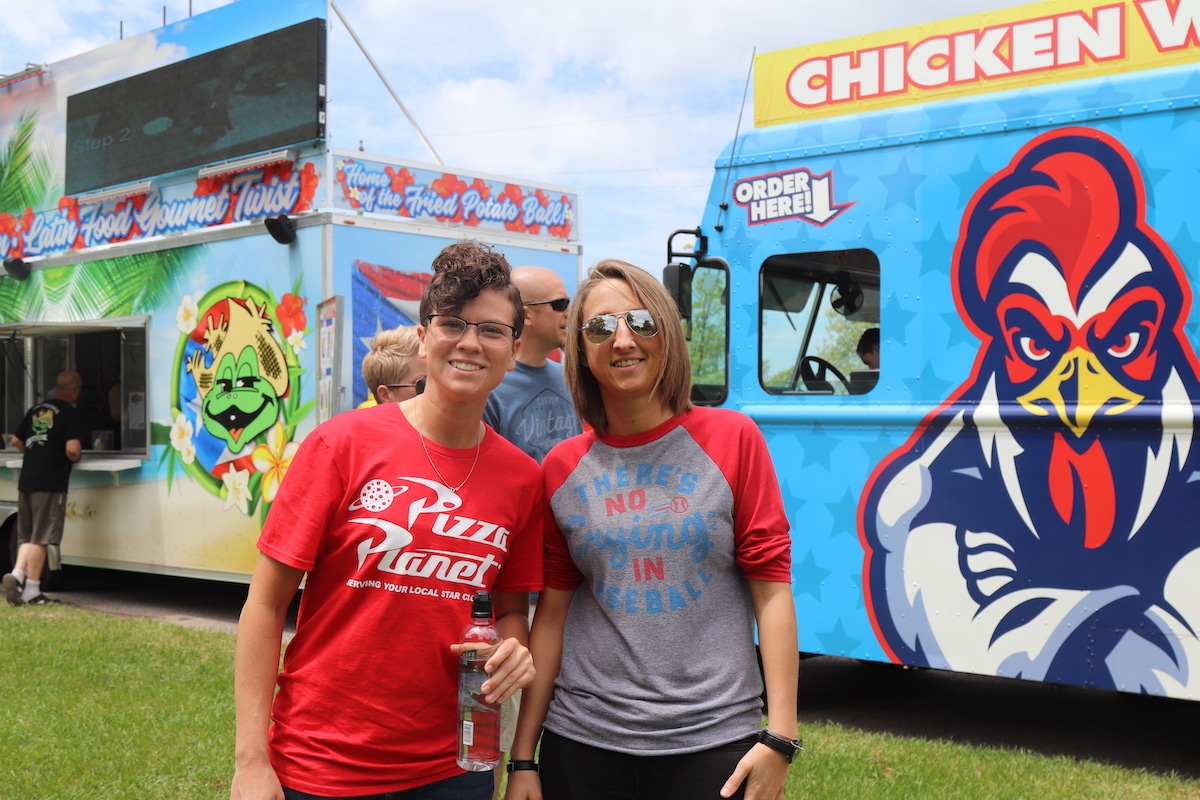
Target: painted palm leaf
x=24 y=170
x=113 y=287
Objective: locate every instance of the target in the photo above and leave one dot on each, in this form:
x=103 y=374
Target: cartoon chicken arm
x=957 y=598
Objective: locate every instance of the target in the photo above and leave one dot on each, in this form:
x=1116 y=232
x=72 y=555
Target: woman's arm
x=546 y=640
x=763 y=769
x=256 y=670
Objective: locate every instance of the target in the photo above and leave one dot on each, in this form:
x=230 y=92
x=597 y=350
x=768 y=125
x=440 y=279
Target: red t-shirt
x=367 y=699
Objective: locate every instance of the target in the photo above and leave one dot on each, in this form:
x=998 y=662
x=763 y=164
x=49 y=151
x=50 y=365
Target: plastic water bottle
x=478 y=722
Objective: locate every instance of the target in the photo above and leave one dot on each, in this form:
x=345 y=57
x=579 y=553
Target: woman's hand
x=524 y=784
x=509 y=668
x=255 y=781
x=763 y=770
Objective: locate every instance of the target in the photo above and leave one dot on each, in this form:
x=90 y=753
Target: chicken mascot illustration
x=246 y=377
x=1042 y=522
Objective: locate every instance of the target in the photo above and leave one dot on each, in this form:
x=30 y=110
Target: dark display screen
x=260 y=94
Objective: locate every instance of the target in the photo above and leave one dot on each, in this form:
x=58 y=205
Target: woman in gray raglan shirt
x=669 y=542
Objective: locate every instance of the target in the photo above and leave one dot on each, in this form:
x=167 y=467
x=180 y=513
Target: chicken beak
x=1078 y=389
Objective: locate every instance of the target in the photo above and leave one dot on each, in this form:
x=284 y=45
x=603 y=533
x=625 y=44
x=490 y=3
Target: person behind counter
x=51 y=438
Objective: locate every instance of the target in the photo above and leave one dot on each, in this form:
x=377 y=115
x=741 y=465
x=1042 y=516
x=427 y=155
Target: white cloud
x=627 y=101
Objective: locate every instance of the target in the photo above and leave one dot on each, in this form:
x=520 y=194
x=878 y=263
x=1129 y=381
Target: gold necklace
x=437 y=471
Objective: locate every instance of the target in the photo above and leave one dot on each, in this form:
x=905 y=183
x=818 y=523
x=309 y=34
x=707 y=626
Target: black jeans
x=468 y=786
x=574 y=771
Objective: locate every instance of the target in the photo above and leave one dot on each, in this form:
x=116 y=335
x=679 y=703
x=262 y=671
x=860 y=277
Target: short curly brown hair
x=463 y=271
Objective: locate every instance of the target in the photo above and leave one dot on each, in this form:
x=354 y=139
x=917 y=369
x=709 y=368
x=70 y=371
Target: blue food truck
x=950 y=273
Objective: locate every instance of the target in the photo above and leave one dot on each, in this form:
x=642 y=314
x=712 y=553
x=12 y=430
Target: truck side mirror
x=677 y=278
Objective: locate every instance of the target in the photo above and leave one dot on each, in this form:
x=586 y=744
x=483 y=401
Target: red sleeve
x=761 y=527
x=295 y=530
x=522 y=570
x=561 y=572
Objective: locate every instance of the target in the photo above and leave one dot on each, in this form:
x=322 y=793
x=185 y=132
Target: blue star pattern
x=906 y=177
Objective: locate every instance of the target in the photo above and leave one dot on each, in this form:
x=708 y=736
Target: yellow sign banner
x=1040 y=43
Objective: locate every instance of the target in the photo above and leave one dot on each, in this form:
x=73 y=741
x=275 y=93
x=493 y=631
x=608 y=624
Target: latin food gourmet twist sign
x=1051 y=41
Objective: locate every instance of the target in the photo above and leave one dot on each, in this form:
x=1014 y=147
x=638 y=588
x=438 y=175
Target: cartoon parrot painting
x=243 y=378
x=1043 y=521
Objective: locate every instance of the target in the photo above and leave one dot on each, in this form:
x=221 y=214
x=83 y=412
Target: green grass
x=96 y=706
x=844 y=763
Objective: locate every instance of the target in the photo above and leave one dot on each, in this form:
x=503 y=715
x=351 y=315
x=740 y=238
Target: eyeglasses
x=451 y=329
x=599 y=330
x=559 y=305
x=418 y=385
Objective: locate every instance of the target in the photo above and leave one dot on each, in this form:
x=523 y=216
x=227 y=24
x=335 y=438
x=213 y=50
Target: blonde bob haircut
x=674 y=385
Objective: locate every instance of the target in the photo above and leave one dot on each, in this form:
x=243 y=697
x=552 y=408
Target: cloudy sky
x=625 y=101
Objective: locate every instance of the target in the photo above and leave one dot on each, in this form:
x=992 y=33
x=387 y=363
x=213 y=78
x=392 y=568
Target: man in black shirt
x=51 y=438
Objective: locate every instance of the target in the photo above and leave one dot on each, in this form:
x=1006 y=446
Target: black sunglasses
x=418 y=384
x=560 y=304
x=599 y=330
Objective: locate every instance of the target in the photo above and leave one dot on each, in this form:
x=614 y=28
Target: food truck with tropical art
x=175 y=226
x=1006 y=202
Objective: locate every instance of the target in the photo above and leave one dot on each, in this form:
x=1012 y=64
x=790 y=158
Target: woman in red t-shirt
x=395 y=515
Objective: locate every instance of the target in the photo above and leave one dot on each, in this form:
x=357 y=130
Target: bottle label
x=468 y=732
x=471 y=686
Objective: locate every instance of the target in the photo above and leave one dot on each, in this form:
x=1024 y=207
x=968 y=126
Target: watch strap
x=780 y=744
x=521 y=764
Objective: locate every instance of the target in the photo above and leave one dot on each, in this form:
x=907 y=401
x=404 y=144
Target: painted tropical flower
x=273 y=460
x=290 y=313
x=296 y=340
x=187 y=315
x=181 y=438
x=237 y=490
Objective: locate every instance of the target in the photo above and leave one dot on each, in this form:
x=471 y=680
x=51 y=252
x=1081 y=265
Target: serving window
x=109 y=355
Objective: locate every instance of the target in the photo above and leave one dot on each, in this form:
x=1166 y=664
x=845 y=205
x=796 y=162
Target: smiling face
x=626 y=366
x=469 y=366
x=241 y=404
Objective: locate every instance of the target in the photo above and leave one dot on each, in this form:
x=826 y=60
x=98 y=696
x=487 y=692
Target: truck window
x=708 y=341
x=109 y=355
x=817 y=310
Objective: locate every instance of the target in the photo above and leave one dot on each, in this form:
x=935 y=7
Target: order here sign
x=1046 y=42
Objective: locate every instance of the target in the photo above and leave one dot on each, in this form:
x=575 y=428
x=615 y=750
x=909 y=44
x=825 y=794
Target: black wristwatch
x=780 y=744
x=518 y=765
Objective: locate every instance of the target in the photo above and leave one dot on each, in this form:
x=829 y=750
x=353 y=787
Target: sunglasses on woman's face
x=599 y=330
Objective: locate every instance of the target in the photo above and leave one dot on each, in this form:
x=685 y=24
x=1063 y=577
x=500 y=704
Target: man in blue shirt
x=532 y=407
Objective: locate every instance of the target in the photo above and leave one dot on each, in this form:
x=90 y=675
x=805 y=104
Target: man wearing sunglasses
x=532 y=407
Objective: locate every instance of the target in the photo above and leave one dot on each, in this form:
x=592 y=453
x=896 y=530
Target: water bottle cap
x=481 y=606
